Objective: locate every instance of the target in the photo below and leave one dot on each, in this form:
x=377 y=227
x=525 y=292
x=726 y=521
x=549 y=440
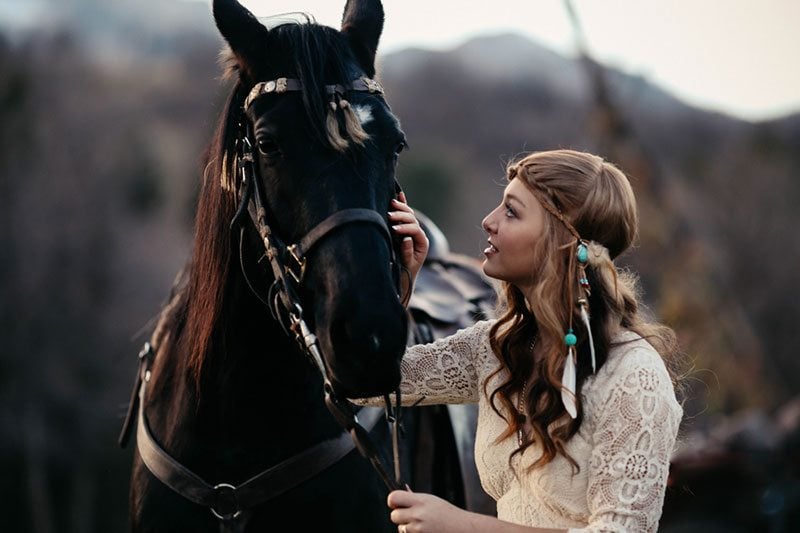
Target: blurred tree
x=429 y=185
x=90 y=239
x=144 y=190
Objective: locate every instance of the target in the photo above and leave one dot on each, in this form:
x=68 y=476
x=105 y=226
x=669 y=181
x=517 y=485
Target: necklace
x=521 y=417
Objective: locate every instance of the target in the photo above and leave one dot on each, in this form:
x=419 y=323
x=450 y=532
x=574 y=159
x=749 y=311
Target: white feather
x=568 y=384
x=585 y=317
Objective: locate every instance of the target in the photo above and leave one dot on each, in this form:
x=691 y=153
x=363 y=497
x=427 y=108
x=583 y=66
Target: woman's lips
x=490 y=250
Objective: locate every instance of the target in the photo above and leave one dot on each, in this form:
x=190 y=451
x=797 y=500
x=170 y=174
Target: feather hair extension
x=585 y=318
x=568 y=384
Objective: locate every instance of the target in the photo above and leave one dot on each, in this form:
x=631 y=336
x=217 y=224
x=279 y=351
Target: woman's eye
x=509 y=211
x=269 y=148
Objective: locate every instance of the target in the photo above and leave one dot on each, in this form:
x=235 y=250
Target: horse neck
x=258 y=394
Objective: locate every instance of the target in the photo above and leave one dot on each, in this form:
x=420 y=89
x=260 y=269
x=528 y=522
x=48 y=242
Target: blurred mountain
x=116 y=30
x=505 y=94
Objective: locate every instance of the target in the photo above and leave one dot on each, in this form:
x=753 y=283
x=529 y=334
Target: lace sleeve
x=634 y=434
x=448 y=370
x=445 y=371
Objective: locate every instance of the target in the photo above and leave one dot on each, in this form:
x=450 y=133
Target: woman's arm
x=445 y=371
x=634 y=432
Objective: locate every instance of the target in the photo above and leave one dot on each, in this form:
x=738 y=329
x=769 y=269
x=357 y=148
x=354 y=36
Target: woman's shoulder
x=630 y=351
x=633 y=366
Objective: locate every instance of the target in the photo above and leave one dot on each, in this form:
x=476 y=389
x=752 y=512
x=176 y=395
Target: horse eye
x=269 y=148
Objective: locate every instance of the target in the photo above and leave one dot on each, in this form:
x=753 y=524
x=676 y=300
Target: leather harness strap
x=341 y=218
x=226 y=500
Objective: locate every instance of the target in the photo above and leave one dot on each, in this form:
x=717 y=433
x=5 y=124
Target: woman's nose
x=487 y=223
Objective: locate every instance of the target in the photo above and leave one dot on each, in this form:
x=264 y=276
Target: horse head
x=324 y=142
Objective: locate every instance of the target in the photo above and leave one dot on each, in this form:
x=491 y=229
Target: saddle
x=450 y=293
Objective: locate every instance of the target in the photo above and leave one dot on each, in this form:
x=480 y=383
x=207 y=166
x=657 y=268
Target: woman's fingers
x=401 y=516
x=407 y=229
x=400 y=498
x=402 y=217
x=407 y=247
x=401 y=206
x=413 y=242
x=405 y=223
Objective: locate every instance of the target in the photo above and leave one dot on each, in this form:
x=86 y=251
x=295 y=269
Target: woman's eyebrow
x=513 y=198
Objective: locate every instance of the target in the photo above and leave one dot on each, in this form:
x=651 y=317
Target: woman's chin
x=488 y=269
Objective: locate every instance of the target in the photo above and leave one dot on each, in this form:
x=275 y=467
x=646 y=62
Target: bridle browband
x=288 y=265
x=284 y=85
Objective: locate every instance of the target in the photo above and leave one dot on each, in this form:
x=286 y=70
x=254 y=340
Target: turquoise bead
x=583 y=253
x=570 y=339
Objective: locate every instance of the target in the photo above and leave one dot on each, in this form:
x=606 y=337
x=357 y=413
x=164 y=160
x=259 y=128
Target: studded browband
x=284 y=85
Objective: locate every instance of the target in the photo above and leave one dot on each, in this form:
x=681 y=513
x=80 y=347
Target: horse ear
x=243 y=32
x=362 y=23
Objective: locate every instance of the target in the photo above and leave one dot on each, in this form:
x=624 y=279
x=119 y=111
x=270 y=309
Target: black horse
x=306 y=134
x=233 y=432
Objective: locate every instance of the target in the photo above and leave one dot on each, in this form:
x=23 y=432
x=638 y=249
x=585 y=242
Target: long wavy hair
x=596 y=199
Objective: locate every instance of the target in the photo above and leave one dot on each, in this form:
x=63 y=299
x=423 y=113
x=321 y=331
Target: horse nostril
x=367 y=351
x=366 y=338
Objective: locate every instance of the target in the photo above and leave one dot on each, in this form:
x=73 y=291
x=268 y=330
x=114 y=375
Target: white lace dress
x=623 y=447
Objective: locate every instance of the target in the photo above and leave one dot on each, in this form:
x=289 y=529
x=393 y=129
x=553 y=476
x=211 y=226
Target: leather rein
x=288 y=263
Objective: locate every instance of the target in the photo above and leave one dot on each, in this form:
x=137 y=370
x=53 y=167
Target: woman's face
x=514 y=227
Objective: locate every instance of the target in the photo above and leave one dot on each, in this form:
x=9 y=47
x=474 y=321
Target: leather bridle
x=288 y=265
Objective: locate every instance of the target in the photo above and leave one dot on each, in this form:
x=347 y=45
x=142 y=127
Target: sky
x=735 y=56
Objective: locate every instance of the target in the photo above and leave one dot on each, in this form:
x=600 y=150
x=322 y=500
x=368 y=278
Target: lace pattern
x=623 y=447
x=450 y=370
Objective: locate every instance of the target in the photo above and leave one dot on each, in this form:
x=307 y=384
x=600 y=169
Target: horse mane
x=197 y=322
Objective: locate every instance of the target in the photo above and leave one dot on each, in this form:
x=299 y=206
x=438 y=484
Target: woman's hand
x=414 y=246
x=417 y=513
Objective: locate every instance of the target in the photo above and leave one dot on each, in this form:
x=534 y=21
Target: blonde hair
x=593 y=198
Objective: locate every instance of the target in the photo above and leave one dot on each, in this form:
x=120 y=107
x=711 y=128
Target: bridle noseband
x=288 y=264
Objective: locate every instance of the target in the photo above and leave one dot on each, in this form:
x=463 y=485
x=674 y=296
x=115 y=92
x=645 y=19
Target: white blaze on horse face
x=364 y=113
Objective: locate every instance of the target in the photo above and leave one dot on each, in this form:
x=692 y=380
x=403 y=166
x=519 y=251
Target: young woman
x=577 y=410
